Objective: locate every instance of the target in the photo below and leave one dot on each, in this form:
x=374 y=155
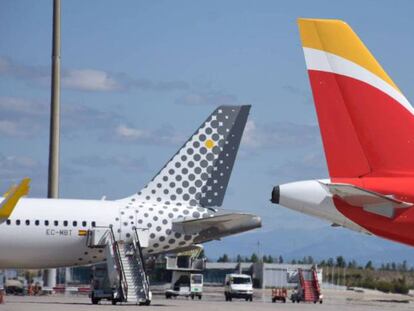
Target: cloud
x=279 y=135
x=127 y=163
x=14 y=167
x=309 y=166
x=90 y=80
x=130 y=133
x=304 y=95
x=148 y=85
x=165 y=135
x=211 y=98
x=21 y=118
x=86 y=79
x=15 y=107
x=26 y=118
x=13 y=69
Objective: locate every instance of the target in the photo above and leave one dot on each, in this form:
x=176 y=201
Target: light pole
x=53 y=173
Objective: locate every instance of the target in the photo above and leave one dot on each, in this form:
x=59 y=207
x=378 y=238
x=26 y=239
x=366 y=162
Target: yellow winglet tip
x=13 y=196
x=320 y=20
x=25 y=185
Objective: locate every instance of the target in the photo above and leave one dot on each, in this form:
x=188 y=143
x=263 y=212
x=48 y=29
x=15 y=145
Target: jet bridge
x=127 y=278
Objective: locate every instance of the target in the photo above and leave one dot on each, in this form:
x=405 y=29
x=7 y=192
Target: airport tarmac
x=338 y=300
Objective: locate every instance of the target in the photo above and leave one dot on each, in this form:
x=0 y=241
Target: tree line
x=338 y=262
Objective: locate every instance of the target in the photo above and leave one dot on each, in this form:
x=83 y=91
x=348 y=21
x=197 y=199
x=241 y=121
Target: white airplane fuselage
x=43 y=233
x=178 y=206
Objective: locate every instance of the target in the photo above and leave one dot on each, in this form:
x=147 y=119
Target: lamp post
x=53 y=172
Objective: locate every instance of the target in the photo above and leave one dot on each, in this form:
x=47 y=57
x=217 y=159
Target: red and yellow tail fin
x=12 y=196
x=367 y=124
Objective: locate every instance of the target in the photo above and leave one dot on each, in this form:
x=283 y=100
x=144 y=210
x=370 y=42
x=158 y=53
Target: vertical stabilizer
x=199 y=172
x=367 y=124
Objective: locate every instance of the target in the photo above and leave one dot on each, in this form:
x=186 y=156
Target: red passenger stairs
x=310 y=288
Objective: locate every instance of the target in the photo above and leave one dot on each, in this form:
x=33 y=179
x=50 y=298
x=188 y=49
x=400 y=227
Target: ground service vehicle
x=100 y=287
x=238 y=286
x=279 y=294
x=185 y=284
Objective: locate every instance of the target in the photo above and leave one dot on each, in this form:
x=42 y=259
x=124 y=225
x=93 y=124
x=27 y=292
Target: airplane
x=367 y=129
x=179 y=207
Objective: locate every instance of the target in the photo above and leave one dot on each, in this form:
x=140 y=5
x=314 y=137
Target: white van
x=238 y=286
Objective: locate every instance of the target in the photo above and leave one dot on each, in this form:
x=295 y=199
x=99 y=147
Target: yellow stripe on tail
x=12 y=196
x=337 y=37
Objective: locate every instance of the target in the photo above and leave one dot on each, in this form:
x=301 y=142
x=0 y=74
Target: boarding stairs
x=309 y=285
x=125 y=264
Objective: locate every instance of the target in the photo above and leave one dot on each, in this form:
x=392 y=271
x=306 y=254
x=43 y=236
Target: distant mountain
x=320 y=243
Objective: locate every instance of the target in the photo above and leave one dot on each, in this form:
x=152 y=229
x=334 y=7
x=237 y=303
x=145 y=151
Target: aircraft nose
x=275 y=195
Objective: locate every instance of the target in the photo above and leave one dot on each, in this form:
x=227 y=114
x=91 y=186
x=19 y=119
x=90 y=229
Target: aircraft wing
x=12 y=196
x=221 y=224
x=370 y=201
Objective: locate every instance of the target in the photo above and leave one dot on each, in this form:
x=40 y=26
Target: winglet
x=12 y=197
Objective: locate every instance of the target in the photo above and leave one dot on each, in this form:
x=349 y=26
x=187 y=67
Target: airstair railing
x=120 y=265
x=138 y=249
x=316 y=281
x=301 y=280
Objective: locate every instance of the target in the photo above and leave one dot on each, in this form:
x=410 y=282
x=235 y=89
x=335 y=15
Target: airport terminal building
x=264 y=275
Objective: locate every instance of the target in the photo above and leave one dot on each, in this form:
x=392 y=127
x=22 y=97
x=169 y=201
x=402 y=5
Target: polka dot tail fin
x=198 y=174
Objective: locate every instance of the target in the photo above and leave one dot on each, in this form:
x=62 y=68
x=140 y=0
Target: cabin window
x=84 y=223
x=46 y=223
x=27 y=222
x=37 y=222
x=8 y=221
x=56 y=223
x=18 y=222
x=93 y=224
x=75 y=223
x=65 y=223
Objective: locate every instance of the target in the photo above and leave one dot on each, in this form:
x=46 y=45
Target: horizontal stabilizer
x=370 y=201
x=12 y=196
x=218 y=226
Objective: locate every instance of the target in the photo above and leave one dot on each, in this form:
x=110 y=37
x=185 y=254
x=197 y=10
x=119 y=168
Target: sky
x=139 y=77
